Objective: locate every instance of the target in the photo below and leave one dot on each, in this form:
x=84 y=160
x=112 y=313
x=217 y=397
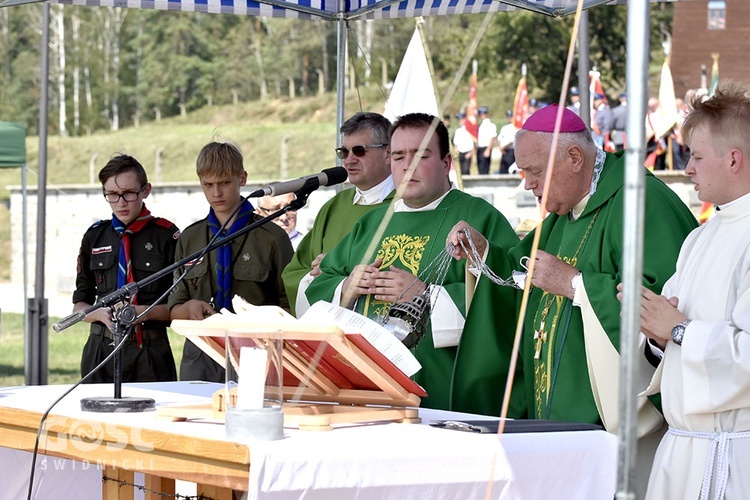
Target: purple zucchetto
x=544 y=121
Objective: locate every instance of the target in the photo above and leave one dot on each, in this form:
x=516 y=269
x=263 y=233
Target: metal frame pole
x=637 y=75
x=584 y=64
x=37 y=334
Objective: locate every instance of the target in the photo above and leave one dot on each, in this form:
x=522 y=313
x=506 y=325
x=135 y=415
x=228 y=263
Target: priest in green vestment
x=364 y=152
x=371 y=279
x=571 y=332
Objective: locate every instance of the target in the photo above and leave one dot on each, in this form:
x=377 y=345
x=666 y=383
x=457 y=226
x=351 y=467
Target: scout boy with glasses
x=129 y=247
x=365 y=153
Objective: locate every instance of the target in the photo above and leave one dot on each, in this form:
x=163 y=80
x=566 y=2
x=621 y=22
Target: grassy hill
x=307 y=125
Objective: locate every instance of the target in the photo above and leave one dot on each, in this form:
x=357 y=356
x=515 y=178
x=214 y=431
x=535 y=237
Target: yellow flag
x=664 y=119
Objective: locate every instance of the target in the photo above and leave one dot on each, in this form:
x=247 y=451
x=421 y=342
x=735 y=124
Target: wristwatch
x=678 y=332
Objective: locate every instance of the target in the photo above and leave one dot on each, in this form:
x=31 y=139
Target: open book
x=352 y=323
x=315 y=344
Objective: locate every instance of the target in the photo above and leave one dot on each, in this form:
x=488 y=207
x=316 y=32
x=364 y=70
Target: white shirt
x=463 y=140
x=295 y=237
x=375 y=194
x=487 y=132
x=507 y=136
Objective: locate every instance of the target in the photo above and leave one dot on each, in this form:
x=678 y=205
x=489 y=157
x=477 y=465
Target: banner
x=714 y=75
x=472 y=124
x=521 y=103
x=413 y=90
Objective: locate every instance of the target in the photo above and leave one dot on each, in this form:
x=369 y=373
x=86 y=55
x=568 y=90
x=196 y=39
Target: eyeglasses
x=269 y=211
x=128 y=196
x=358 y=151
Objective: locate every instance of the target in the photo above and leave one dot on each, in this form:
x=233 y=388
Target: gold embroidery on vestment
x=402 y=248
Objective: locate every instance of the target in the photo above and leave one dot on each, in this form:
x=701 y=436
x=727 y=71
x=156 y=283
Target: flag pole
x=420 y=27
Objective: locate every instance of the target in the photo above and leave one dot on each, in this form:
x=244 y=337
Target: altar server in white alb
x=701 y=322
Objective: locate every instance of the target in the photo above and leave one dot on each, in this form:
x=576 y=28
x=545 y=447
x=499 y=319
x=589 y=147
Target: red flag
x=707 y=211
x=521 y=104
x=596 y=87
x=472 y=125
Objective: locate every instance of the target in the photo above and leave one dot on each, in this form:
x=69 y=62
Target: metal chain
x=155 y=492
x=433 y=274
x=479 y=263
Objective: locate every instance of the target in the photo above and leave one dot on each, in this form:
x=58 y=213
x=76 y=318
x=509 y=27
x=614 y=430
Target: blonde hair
x=726 y=115
x=220 y=159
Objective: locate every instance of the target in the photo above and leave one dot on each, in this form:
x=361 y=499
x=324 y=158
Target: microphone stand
x=125 y=317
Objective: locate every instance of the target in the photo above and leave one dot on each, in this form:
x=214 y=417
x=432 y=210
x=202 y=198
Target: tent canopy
x=12 y=145
x=336 y=10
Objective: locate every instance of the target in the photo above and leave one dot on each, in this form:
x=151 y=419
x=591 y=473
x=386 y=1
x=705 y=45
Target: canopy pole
x=341 y=50
x=637 y=74
x=584 y=64
x=38 y=332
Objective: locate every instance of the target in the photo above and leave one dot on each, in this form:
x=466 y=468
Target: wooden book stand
x=329 y=377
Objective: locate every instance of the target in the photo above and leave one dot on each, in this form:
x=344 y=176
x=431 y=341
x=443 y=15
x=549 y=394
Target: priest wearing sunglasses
x=364 y=152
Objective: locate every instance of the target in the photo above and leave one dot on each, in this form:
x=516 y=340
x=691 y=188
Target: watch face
x=678 y=332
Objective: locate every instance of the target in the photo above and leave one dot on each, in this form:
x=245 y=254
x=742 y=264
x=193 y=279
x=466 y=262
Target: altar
x=141 y=454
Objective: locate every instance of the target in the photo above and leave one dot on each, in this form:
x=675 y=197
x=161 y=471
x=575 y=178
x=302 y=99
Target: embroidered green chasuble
x=412 y=241
x=334 y=221
x=552 y=357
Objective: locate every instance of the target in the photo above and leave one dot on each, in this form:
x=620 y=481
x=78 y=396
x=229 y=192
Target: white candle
x=251 y=381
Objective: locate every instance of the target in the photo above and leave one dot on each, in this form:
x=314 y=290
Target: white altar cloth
x=376 y=461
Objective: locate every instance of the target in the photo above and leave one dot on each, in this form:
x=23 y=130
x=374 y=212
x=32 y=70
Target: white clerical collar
x=375 y=194
x=577 y=210
x=580 y=206
x=739 y=201
x=400 y=206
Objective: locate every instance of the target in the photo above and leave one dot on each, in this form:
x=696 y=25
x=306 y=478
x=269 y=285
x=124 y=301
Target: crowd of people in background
x=666 y=148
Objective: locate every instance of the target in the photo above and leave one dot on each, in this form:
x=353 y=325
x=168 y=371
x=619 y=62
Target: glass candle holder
x=254 y=396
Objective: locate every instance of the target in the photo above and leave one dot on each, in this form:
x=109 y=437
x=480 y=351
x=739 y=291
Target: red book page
x=328 y=365
x=386 y=365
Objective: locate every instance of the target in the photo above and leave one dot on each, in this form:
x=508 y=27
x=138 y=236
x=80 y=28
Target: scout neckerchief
x=224 y=253
x=124 y=263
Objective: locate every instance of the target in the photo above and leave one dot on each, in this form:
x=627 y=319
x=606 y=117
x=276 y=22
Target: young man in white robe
x=700 y=324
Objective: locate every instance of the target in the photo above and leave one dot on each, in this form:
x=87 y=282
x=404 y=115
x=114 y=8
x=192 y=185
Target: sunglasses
x=358 y=151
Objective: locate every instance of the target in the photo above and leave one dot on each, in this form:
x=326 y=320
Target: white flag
x=412 y=90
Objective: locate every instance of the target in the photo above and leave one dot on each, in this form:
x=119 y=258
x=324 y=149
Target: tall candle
x=252 y=378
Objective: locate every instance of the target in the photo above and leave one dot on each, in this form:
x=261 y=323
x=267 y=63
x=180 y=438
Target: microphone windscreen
x=336 y=175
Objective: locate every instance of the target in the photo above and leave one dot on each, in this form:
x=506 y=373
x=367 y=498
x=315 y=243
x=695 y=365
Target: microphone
x=328 y=177
x=68 y=321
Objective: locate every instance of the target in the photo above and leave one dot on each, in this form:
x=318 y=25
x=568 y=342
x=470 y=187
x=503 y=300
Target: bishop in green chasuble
x=553 y=360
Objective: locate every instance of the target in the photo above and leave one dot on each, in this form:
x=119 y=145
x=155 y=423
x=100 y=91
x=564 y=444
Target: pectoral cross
x=540 y=336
